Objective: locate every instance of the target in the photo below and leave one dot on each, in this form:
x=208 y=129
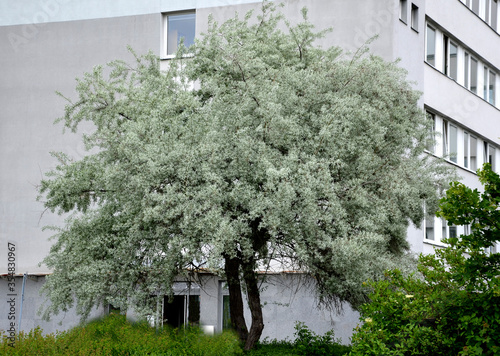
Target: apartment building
x=449 y=47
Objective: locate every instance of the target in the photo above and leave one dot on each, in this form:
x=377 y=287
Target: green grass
x=115 y=336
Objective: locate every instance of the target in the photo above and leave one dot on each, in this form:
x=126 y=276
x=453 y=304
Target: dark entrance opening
x=173 y=311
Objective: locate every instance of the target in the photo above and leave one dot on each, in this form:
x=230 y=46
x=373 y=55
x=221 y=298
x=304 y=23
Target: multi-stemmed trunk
x=238 y=268
x=233 y=267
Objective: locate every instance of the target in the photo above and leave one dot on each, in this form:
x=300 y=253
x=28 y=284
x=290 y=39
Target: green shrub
x=273 y=348
x=114 y=335
x=306 y=343
x=453 y=307
x=31 y=343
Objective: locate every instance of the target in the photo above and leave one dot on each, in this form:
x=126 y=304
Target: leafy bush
x=114 y=335
x=453 y=306
x=306 y=343
x=273 y=348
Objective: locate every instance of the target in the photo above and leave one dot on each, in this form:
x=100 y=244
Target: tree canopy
x=256 y=147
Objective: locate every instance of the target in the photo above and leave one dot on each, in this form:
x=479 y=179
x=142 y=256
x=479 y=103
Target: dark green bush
x=306 y=343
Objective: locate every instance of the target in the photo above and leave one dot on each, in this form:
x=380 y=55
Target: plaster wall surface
x=451 y=99
x=45 y=11
x=31 y=305
x=30 y=77
x=458 y=20
x=286 y=299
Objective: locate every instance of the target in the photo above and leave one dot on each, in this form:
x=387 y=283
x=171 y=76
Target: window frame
x=449 y=140
x=453 y=62
x=489 y=85
x=414 y=17
x=431 y=146
x=165 y=32
x=427 y=28
x=469 y=141
x=494 y=12
x=438 y=230
x=470 y=71
x=403 y=11
x=489 y=156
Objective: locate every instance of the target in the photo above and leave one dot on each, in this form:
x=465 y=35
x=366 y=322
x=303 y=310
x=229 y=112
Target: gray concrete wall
x=353 y=23
x=31 y=305
x=30 y=75
x=446 y=96
x=45 y=11
x=286 y=299
x=457 y=19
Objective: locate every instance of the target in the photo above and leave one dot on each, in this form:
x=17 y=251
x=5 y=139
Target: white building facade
x=451 y=49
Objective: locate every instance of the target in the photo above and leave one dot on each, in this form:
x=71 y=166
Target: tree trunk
x=253 y=294
x=232 y=269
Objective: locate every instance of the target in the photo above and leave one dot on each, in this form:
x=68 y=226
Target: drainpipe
x=22 y=300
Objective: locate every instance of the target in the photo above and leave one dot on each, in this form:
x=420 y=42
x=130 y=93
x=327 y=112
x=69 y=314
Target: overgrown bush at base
x=114 y=335
x=453 y=307
x=306 y=343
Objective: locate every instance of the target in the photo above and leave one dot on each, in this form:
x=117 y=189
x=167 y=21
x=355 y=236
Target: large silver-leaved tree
x=256 y=147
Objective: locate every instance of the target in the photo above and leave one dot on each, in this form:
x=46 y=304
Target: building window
x=494 y=15
x=414 y=17
x=490 y=156
x=487 y=11
x=437 y=229
x=466 y=70
x=470 y=152
x=453 y=61
x=403 y=10
x=485 y=84
x=473 y=75
x=444 y=135
x=453 y=142
x=466 y=150
x=445 y=55
x=491 y=88
x=447 y=231
x=450 y=141
x=475 y=6
x=177 y=27
x=450 y=60
x=432 y=131
x=452 y=231
x=429 y=228
x=431 y=46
